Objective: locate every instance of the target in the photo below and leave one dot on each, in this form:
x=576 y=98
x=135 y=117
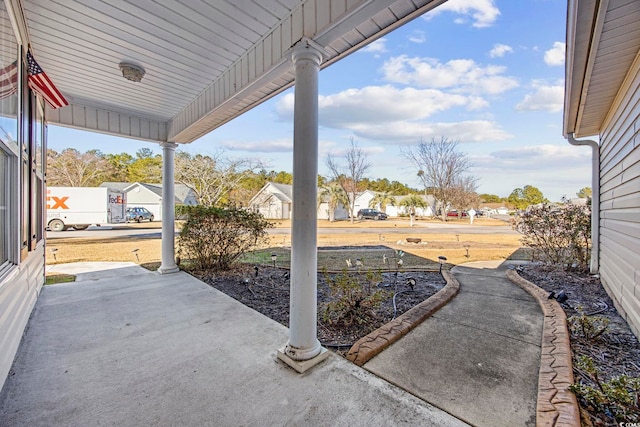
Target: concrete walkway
x=478 y=357
x=128 y=347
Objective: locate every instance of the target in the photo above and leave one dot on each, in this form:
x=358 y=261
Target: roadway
x=153 y=230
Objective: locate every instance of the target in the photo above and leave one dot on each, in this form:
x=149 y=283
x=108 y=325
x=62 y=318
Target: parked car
x=371 y=214
x=139 y=214
x=455 y=213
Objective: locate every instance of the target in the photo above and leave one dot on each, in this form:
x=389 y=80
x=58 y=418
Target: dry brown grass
x=116 y=249
x=453 y=246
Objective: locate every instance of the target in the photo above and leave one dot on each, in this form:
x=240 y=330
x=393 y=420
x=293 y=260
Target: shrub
x=587 y=327
x=559 y=235
x=617 y=398
x=356 y=297
x=214 y=238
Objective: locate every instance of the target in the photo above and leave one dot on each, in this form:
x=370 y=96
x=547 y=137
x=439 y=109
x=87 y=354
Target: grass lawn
x=375 y=247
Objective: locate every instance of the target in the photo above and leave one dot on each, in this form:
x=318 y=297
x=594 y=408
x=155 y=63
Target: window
x=4 y=205
x=9 y=78
x=36 y=154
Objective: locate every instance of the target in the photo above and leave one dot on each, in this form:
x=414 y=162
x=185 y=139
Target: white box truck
x=80 y=207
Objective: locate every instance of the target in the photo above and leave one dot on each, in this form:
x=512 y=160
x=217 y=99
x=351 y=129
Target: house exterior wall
x=396 y=211
x=141 y=197
x=620 y=201
x=22 y=195
x=362 y=201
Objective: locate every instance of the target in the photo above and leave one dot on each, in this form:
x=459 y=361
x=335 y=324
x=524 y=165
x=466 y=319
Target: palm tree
x=412 y=202
x=334 y=195
x=382 y=199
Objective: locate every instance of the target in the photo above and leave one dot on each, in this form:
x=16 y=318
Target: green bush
x=214 y=238
x=559 y=235
x=355 y=298
x=587 y=327
x=618 y=398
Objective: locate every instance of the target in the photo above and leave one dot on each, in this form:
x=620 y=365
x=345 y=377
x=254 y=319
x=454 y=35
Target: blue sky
x=488 y=73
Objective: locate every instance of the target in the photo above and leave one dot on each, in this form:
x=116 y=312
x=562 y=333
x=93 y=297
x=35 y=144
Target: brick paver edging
x=372 y=344
x=557 y=405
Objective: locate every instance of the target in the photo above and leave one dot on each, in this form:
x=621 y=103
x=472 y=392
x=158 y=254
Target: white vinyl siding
x=620 y=201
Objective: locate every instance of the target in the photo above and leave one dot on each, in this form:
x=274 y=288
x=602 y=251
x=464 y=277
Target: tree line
x=216 y=179
x=219 y=180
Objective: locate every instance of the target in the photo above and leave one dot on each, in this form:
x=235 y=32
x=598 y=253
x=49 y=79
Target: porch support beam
x=168 y=264
x=303 y=349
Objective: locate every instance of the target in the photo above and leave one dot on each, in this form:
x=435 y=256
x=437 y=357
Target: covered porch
x=171 y=72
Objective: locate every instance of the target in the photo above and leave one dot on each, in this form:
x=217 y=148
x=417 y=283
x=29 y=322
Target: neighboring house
x=398 y=210
x=602 y=99
x=362 y=201
x=150 y=195
x=340 y=212
x=273 y=201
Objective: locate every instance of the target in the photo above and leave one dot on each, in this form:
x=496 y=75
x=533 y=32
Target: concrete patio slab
x=169 y=350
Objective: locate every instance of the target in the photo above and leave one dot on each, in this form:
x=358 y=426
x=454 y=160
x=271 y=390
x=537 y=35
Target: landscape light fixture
x=274 y=257
x=442 y=260
x=132 y=72
x=411 y=282
x=562 y=297
x=466 y=247
x=53 y=251
x=135 y=252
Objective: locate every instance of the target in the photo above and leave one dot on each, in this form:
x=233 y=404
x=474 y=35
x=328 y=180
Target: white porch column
x=303 y=349
x=168 y=264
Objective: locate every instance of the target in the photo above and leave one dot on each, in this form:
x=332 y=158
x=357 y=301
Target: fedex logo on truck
x=58 y=202
x=119 y=200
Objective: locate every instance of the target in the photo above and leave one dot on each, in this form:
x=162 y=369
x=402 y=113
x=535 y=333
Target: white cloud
x=483 y=12
x=376 y=47
x=259 y=146
x=461 y=75
x=555 y=55
x=537 y=156
x=499 y=50
x=379 y=104
x=544 y=98
x=393 y=115
x=418 y=36
x=401 y=132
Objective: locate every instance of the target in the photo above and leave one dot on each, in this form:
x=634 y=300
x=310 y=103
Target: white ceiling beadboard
x=206 y=61
x=602 y=59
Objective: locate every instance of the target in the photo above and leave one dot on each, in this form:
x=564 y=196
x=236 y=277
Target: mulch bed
x=267 y=291
x=615 y=352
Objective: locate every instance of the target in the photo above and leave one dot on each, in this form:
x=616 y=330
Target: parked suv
x=371 y=214
x=139 y=214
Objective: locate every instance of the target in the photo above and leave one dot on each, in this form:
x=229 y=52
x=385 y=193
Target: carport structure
x=172 y=71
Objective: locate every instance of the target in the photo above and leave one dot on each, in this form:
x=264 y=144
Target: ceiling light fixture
x=132 y=72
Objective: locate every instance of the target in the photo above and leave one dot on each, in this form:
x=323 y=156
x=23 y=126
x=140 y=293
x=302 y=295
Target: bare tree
x=350 y=175
x=212 y=177
x=70 y=168
x=440 y=167
x=464 y=195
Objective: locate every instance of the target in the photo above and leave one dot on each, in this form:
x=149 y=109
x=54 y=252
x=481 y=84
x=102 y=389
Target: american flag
x=8 y=80
x=40 y=82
